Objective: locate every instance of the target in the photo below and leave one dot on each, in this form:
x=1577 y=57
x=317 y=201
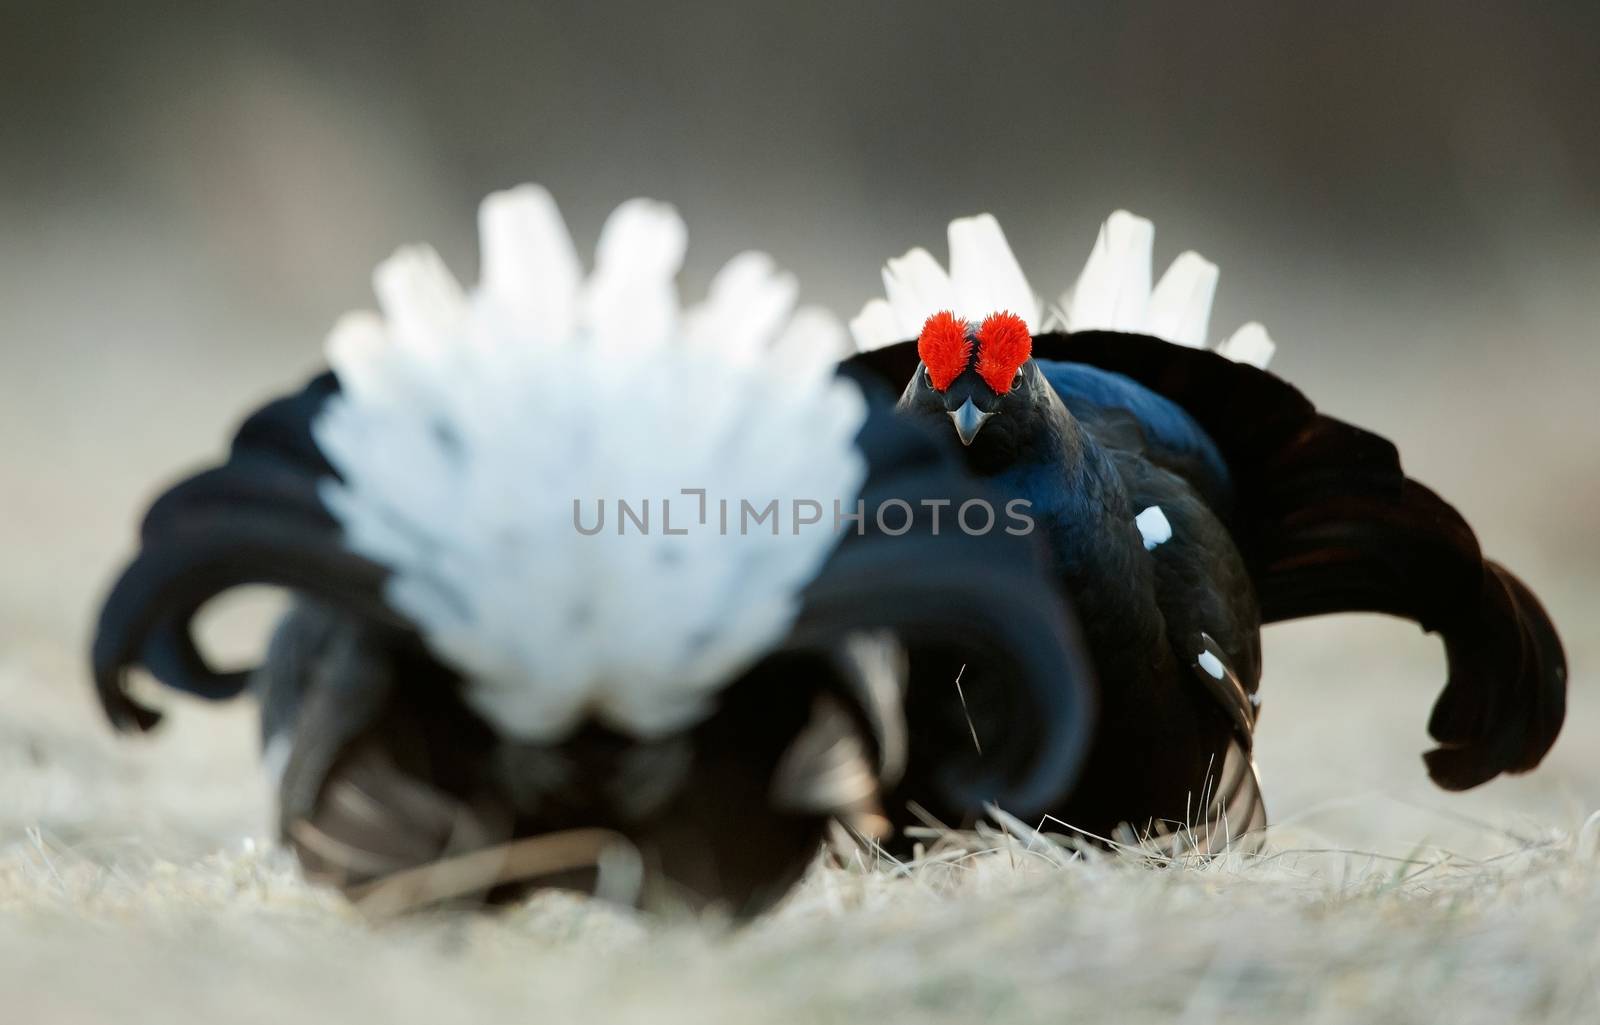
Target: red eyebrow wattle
x=944 y=348
x=1004 y=344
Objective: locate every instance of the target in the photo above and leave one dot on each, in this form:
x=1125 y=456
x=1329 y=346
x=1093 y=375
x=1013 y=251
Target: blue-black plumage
x=1270 y=511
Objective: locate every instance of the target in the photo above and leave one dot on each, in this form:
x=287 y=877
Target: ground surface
x=129 y=891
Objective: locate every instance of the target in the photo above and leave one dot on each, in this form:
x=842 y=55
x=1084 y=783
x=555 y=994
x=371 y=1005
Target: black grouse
x=573 y=599
x=1188 y=497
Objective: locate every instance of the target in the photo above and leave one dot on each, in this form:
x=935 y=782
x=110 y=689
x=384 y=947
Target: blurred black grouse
x=472 y=663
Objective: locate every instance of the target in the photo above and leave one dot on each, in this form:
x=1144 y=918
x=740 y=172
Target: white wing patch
x=470 y=423
x=1113 y=292
x=1153 y=527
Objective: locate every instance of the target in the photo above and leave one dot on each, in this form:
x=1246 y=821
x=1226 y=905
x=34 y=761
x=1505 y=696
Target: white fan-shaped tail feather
x=1180 y=305
x=876 y=326
x=811 y=330
x=984 y=278
x=748 y=303
x=421 y=301
x=986 y=274
x=473 y=435
x=1113 y=291
x=631 y=301
x=1250 y=344
x=917 y=288
x=355 y=353
x=529 y=264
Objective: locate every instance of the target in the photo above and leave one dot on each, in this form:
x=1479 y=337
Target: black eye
x=927 y=378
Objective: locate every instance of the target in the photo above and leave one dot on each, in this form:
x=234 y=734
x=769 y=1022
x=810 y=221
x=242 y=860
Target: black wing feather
x=258 y=519
x=1329 y=522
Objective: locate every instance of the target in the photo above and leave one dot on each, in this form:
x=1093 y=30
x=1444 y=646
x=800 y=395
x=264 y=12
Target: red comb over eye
x=944 y=348
x=1004 y=344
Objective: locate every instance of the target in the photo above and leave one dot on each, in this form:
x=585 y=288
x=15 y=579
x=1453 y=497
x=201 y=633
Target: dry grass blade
x=963 y=696
x=517 y=861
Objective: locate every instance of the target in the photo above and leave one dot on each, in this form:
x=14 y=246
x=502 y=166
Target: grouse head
x=980 y=382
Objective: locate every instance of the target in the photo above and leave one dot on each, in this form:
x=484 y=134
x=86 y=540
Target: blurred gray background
x=1408 y=197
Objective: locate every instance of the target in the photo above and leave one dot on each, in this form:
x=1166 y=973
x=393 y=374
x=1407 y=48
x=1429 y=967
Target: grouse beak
x=968 y=420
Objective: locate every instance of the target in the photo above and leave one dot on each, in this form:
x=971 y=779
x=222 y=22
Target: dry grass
x=130 y=891
x=1015 y=932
